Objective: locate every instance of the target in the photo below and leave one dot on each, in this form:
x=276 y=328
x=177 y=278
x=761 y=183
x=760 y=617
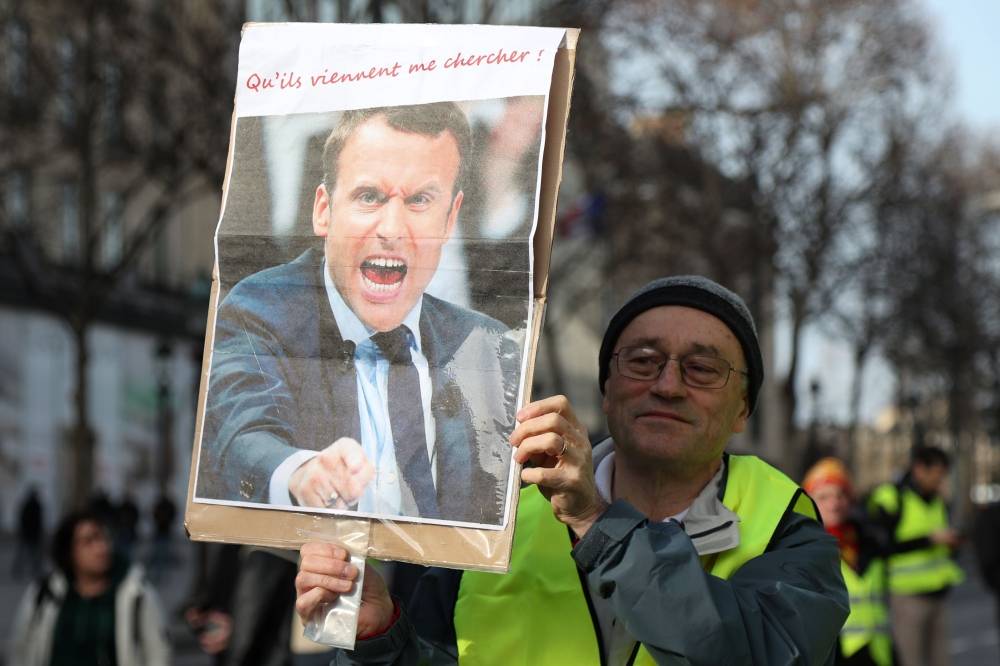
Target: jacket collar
x=711 y=525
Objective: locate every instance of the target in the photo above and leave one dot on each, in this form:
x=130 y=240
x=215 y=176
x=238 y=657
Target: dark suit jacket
x=283 y=379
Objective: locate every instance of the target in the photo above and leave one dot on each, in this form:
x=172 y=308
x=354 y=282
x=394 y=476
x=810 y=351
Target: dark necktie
x=406 y=417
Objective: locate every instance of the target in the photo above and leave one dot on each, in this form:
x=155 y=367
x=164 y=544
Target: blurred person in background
x=241 y=608
x=920 y=557
x=208 y=607
x=28 y=555
x=161 y=556
x=865 y=639
x=265 y=631
x=93 y=609
x=126 y=527
x=986 y=541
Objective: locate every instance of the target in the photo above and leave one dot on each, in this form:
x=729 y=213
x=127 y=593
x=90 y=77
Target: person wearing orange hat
x=865 y=638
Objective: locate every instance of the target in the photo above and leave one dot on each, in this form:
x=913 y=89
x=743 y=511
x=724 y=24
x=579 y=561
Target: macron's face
x=391 y=210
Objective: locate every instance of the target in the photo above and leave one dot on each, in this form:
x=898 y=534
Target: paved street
x=974 y=639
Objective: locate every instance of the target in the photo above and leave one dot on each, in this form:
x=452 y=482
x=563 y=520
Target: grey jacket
x=785 y=606
x=140 y=632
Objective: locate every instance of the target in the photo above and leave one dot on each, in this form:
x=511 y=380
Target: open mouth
x=383 y=274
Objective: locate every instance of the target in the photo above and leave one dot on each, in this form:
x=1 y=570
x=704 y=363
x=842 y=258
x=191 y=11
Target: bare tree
x=862 y=312
x=104 y=122
x=789 y=98
x=945 y=321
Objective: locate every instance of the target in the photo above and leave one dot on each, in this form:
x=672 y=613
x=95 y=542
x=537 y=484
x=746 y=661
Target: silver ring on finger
x=332 y=500
x=562 y=451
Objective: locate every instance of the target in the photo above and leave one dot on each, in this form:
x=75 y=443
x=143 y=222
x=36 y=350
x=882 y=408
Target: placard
x=380 y=271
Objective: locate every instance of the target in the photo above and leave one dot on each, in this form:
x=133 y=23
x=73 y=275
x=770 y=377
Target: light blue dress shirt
x=383 y=495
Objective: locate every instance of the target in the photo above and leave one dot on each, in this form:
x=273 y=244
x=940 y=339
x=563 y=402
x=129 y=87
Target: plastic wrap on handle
x=336 y=623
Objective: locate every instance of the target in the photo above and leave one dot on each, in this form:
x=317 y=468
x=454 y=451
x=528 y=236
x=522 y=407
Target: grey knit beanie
x=697 y=292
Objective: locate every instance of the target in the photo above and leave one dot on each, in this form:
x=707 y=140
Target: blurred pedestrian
x=93 y=609
x=986 y=541
x=242 y=609
x=30 y=520
x=126 y=527
x=161 y=556
x=100 y=505
x=865 y=639
x=922 y=569
x=208 y=608
x=263 y=603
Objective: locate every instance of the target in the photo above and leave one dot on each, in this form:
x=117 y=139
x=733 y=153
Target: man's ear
x=456 y=205
x=740 y=424
x=321 y=211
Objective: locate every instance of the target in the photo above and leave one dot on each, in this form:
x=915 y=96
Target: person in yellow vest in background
x=866 y=639
x=656 y=546
x=921 y=567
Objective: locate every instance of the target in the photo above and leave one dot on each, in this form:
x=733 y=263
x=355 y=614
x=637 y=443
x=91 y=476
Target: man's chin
x=383 y=316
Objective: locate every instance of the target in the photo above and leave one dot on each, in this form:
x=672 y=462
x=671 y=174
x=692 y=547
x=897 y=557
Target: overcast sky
x=967 y=32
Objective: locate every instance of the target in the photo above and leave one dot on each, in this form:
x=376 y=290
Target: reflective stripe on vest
x=918 y=571
x=539 y=614
x=868 y=623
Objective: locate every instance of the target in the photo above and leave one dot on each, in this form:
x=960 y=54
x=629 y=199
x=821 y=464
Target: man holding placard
x=654 y=547
x=336 y=381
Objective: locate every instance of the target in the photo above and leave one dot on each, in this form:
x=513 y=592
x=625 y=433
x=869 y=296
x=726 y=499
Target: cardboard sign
x=381 y=262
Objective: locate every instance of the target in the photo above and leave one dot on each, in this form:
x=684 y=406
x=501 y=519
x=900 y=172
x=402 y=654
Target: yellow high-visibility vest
x=917 y=571
x=868 y=623
x=539 y=613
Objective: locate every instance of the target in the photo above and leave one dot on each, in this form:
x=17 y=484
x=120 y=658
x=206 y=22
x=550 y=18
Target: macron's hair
x=425 y=119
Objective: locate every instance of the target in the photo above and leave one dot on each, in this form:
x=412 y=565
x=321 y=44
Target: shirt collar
x=712 y=526
x=352 y=328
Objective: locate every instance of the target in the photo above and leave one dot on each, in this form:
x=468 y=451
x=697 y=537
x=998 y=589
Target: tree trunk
x=860 y=356
x=82 y=439
x=959 y=414
x=81 y=436
x=788 y=389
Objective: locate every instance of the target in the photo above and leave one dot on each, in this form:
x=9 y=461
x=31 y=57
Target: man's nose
x=392 y=219
x=670 y=383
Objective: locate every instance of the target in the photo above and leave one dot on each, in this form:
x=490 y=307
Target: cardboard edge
x=560 y=93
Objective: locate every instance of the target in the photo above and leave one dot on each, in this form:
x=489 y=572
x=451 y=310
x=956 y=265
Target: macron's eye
x=370 y=198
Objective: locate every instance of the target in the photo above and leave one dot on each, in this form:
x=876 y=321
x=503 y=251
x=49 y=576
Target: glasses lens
x=640 y=362
x=705 y=371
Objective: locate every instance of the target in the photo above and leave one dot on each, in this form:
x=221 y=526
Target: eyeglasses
x=697 y=370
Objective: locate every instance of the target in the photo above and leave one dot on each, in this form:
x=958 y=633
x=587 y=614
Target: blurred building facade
x=106 y=237
x=879 y=452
